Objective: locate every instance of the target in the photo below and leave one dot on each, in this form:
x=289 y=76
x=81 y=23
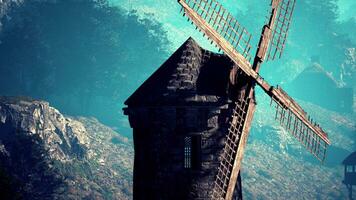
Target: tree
x=84 y=57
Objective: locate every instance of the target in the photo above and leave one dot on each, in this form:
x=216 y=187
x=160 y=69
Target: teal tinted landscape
x=87 y=57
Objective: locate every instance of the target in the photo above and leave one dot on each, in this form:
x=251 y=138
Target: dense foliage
x=84 y=57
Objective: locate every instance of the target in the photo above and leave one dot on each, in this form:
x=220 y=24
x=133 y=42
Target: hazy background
x=87 y=57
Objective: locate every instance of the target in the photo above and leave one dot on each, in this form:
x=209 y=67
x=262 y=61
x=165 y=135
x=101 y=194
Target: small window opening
x=349 y=169
x=192 y=145
x=187 y=152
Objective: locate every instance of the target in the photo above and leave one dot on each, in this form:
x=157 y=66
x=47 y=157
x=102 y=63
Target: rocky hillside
x=45 y=155
x=5 y=6
x=276 y=166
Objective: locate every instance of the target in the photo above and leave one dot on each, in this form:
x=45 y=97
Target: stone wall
x=188 y=96
x=159 y=134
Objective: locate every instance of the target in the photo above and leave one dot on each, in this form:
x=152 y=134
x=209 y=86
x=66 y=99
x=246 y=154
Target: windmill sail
x=284 y=11
x=233 y=150
x=189 y=8
x=218 y=22
x=295 y=120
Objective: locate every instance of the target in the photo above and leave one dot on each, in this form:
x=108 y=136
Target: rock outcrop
x=5 y=6
x=45 y=155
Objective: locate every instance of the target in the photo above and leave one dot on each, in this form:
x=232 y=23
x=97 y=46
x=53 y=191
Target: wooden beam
x=221 y=42
x=240 y=150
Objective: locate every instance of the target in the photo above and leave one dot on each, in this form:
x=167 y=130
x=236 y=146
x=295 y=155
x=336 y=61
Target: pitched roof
x=192 y=74
x=316 y=73
x=350 y=160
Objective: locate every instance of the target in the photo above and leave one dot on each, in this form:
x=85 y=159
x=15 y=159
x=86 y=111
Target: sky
x=167 y=12
x=346 y=9
x=319 y=29
x=252 y=15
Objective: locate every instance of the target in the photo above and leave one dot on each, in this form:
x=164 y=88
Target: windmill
x=219 y=25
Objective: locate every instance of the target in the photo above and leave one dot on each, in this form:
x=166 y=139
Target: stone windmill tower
x=191 y=118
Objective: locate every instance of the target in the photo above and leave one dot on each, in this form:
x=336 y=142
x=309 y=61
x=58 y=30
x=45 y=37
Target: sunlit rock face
x=45 y=155
x=62 y=137
x=5 y=5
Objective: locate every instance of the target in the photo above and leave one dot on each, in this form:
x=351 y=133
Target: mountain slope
x=44 y=155
x=276 y=166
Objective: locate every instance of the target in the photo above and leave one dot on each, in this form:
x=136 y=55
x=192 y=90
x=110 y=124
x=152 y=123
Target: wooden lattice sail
x=284 y=12
x=300 y=125
x=213 y=14
x=236 y=140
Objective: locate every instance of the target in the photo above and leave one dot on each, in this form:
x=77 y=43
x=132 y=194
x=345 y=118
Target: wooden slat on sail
x=296 y=121
x=280 y=29
x=223 y=22
x=232 y=145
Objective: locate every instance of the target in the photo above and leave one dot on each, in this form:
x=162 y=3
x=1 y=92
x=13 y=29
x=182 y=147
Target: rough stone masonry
x=180 y=118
